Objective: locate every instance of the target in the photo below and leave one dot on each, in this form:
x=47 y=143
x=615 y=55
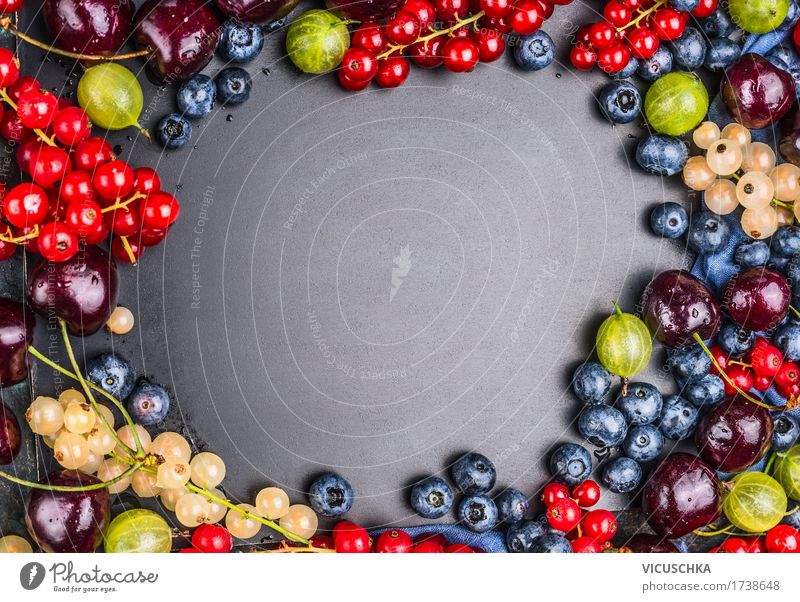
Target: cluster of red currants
x=762 y=367
x=781 y=539
x=588 y=532
x=350 y=538
x=631 y=28
x=79 y=193
x=454 y=33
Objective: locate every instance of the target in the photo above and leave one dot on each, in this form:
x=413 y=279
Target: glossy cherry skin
x=255 y=11
x=756 y=92
x=682 y=494
x=364 y=10
x=734 y=435
x=183 y=35
x=62 y=521
x=82 y=291
x=757 y=299
x=676 y=305
x=89 y=26
x=16 y=334
x=10 y=436
x=644 y=543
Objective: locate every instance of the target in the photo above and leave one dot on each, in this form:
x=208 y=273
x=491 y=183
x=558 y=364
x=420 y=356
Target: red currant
x=212 y=539
x=547 y=8
x=617 y=13
x=427 y=54
x=125 y=222
x=57 y=242
x=553 y=492
x=790 y=392
x=602 y=35
x=25 y=151
x=76 y=186
x=402 y=28
x=643 y=42
x=121 y=253
x=561 y=2
x=720 y=357
x=497 y=8
x=765 y=358
x=9 y=68
x=37 y=109
x=424 y=11
x=189 y=551
x=146 y=180
x=705 y=9
x=741 y=377
x=392 y=72
x=490 y=44
x=7 y=249
x=583 y=57
x=351 y=84
x=460 y=55
x=587 y=494
x=614 y=58
x=71 y=126
x=451 y=10
x=564 y=514
x=428 y=547
x=25 y=205
x=10 y=6
x=755 y=545
x=371 y=37
x=601 y=525
x=788 y=375
x=24 y=84
x=394 y=541
x=459 y=548
x=49 y=165
x=668 y=23
x=359 y=65
x=735 y=545
x=92 y=153
x=11 y=127
x=783 y=539
x=352 y=540
x=761 y=383
x=502 y=24
x=150 y=237
x=586 y=545
x=322 y=541
x=159 y=210
x=437 y=538
x=526 y=17
x=83 y=217
x=113 y=180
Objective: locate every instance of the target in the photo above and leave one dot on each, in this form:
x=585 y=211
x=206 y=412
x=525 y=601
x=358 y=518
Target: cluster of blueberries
x=147 y=403
x=196 y=97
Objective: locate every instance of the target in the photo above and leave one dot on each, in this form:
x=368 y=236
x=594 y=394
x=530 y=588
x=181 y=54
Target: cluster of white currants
x=737 y=171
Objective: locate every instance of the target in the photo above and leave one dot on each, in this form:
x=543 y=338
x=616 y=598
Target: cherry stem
x=434 y=34
x=40 y=133
x=723 y=531
x=70 y=488
x=727 y=378
x=644 y=14
x=6 y=24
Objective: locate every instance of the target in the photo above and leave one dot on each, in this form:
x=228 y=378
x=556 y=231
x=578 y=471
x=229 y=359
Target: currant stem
x=40 y=133
x=20 y=239
x=434 y=34
x=128 y=249
x=69 y=488
x=6 y=24
x=643 y=15
x=123 y=204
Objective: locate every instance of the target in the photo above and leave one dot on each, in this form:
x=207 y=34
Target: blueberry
x=662 y=155
x=669 y=220
x=173 y=131
x=644 y=443
x=779 y=264
x=641 y=404
x=473 y=473
x=792 y=516
x=685 y=6
x=782 y=56
x=112 y=373
x=571 y=464
x=752 y=254
x=689 y=50
x=620 y=102
x=706 y=391
x=785 y=433
x=240 y=43
x=431 y=498
x=535 y=51
x=196 y=96
x=688 y=362
x=722 y=53
x=787 y=339
x=791 y=267
x=659 y=64
x=148 y=403
x=519 y=537
x=718 y=24
x=786 y=241
x=602 y=425
x=679 y=418
x=708 y=233
x=622 y=475
x=233 y=85
x=330 y=495
x=551 y=544
x=628 y=70
x=512 y=506
x=478 y=513
x=591 y=382
x=273 y=25
x=735 y=340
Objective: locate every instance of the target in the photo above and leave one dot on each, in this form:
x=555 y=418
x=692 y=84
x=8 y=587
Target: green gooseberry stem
x=617 y=308
x=69 y=488
x=723 y=531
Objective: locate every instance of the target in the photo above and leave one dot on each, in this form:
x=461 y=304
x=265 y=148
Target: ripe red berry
x=83 y=217
x=9 y=68
x=587 y=494
x=10 y=6
x=371 y=37
x=788 y=375
x=614 y=58
x=113 y=180
x=25 y=205
x=352 y=540
x=547 y=8
x=783 y=539
x=735 y=545
x=71 y=126
x=25 y=151
x=76 y=186
x=427 y=54
x=459 y=548
x=668 y=23
x=24 y=84
x=497 y=8
x=120 y=252
x=755 y=545
x=583 y=57
x=322 y=541
x=394 y=541
x=602 y=35
x=428 y=547
x=125 y=222
x=49 y=165
x=57 y=243
x=742 y=377
x=92 y=153
x=490 y=44
x=553 y=492
x=765 y=358
x=705 y=9
x=351 y=84
x=402 y=28
x=643 y=42
x=189 y=551
x=437 y=538
x=159 y=210
x=212 y=539
x=11 y=127
x=564 y=514
x=791 y=392
x=600 y=525
x=359 y=65
x=586 y=545
x=451 y=10
x=460 y=55
x=150 y=237
x=761 y=383
x=7 y=249
x=424 y=11
x=502 y=24
x=526 y=17
x=37 y=108
x=146 y=180
x=617 y=13
x=392 y=72
x=720 y=357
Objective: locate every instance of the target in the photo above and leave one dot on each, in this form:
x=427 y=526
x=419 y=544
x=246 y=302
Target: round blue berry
x=148 y=404
x=173 y=131
x=512 y=506
x=233 y=85
x=787 y=339
x=622 y=475
x=735 y=340
x=643 y=443
x=708 y=233
x=688 y=362
x=662 y=155
x=535 y=51
x=721 y=53
x=669 y=220
x=551 y=544
x=685 y=6
x=112 y=373
x=679 y=418
x=656 y=66
x=689 y=50
x=473 y=473
x=519 y=537
x=718 y=24
x=791 y=267
x=431 y=498
x=240 y=43
x=641 y=404
x=786 y=432
x=628 y=70
x=786 y=241
x=478 y=513
x=591 y=382
x=602 y=425
x=706 y=391
x=330 y=495
x=620 y=102
x=196 y=96
x=752 y=254
x=571 y=464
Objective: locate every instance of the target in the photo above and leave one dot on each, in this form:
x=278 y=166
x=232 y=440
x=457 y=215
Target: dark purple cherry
x=676 y=305
x=757 y=298
x=734 y=435
x=256 y=11
x=756 y=92
x=644 y=543
x=89 y=26
x=16 y=334
x=682 y=494
x=182 y=34
x=68 y=521
x=82 y=291
x=364 y=10
x=790 y=141
x=10 y=436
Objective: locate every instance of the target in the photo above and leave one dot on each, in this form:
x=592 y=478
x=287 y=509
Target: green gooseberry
x=756 y=502
x=111 y=96
x=676 y=103
x=758 y=16
x=316 y=41
x=787 y=472
x=138 y=531
x=624 y=344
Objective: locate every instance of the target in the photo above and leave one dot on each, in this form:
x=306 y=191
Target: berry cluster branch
x=40 y=133
x=643 y=14
x=435 y=33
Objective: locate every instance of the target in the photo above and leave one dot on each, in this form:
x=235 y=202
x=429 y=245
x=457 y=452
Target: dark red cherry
x=16 y=334
x=10 y=436
x=89 y=26
x=756 y=92
x=757 y=298
x=644 y=543
x=364 y=10
x=256 y=11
